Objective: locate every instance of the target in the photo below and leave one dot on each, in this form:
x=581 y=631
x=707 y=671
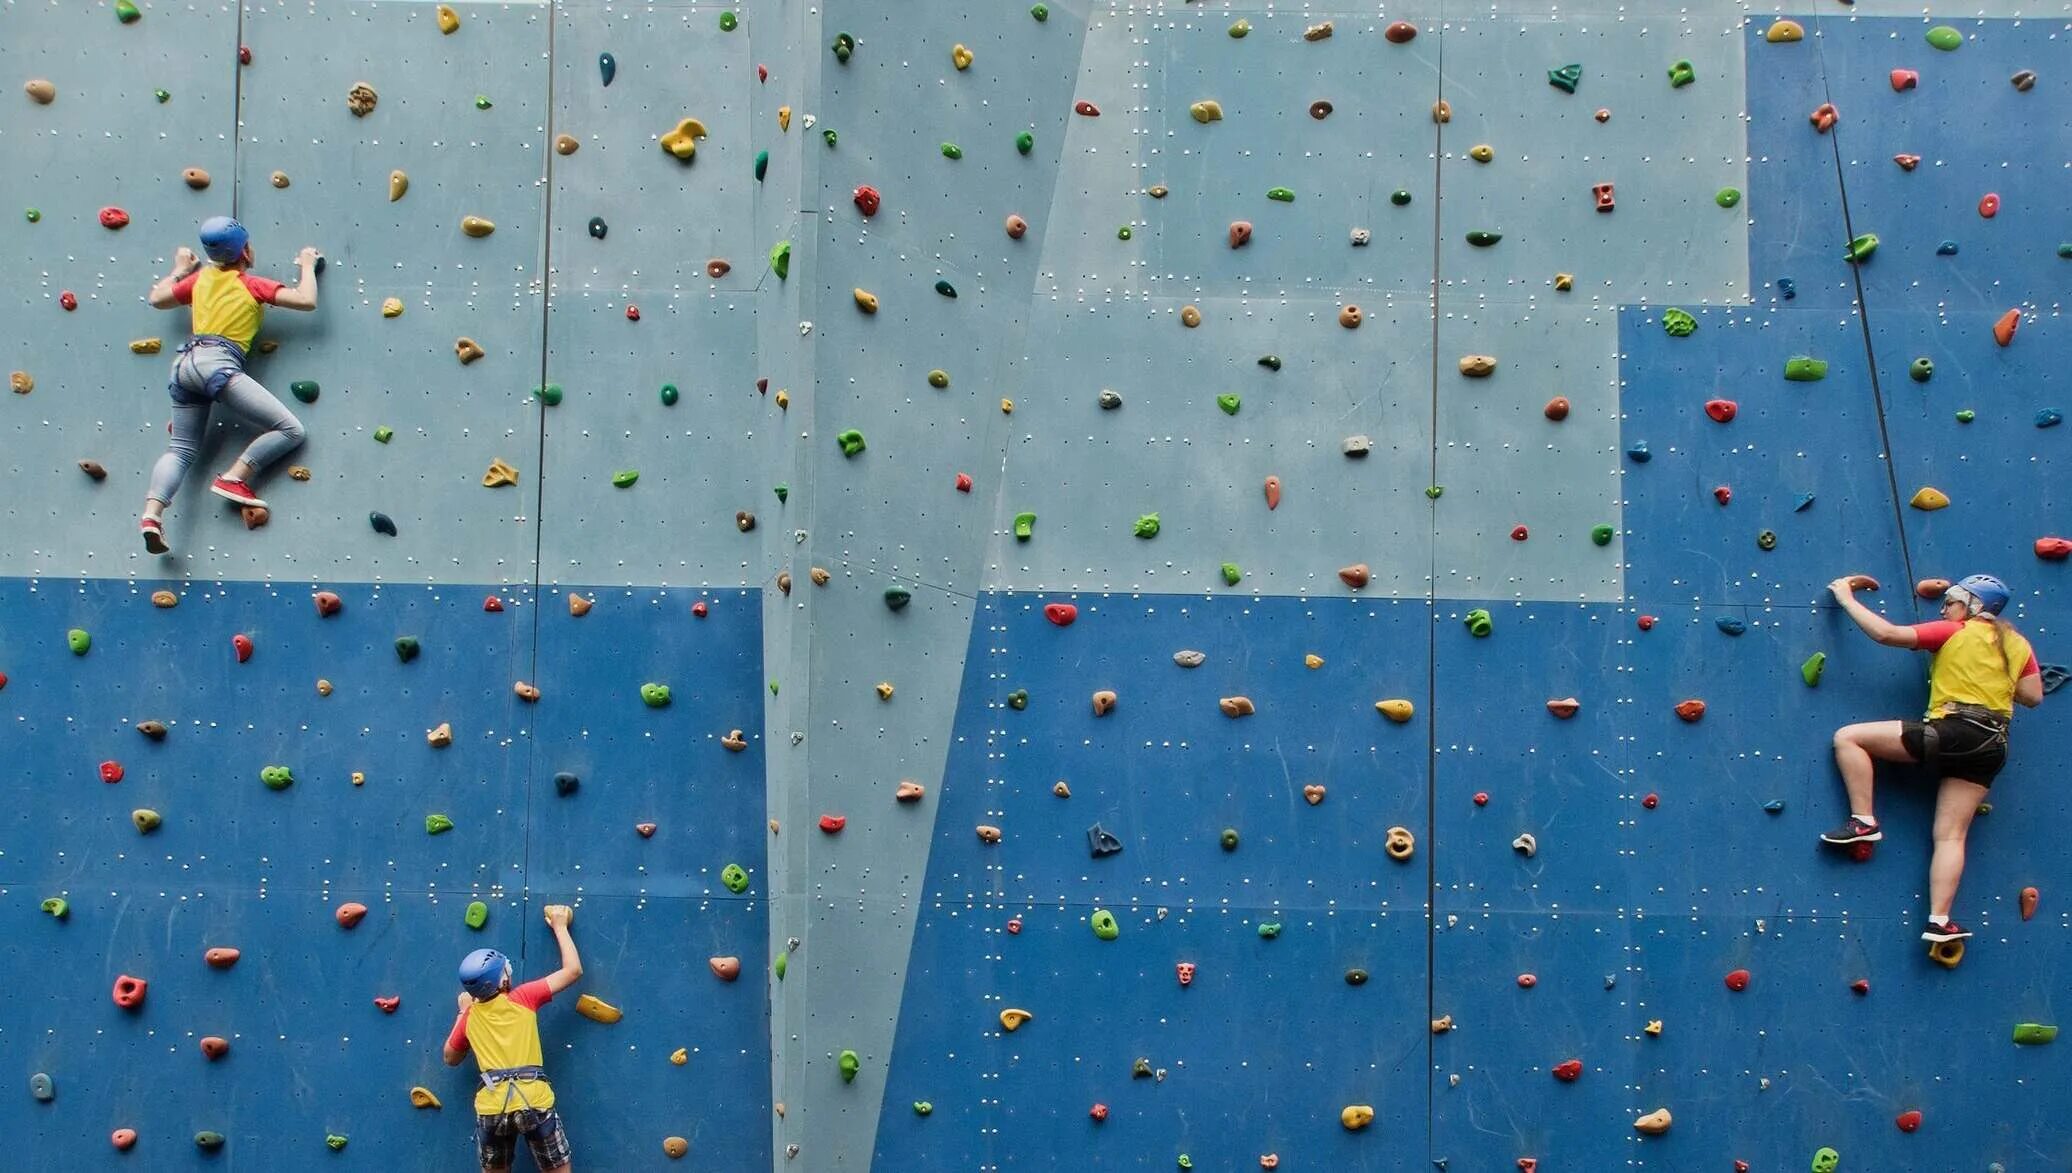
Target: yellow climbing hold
x=476 y=226
x=1655 y=1123
x=1481 y=152
x=1312 y=661
x=1396 y=709
x=1006 y=406
x=960 y=57
x=680 y=1056
x=783 y=118
x=865 y=300
x=449 y=20
x=683 y=141
x=1012 y=1019
x=1207 y=110
x=164 y=599
x=1653 y=1028
x=146 y=346
x=1930 y=498
x=1356 y=1116
x=1477 y=366
x=1563 y=282
x=422 y=1097
x=391 y=307
x=398 y=184
x=596 y=1009
x=499 y=474
x=1782 y=31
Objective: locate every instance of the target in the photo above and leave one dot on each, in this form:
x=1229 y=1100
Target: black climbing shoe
x=1949 y=930
x=1854 y=831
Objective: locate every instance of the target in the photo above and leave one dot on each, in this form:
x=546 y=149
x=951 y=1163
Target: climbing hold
x=1399 y=197
x=1565 y=78
x=1860 y=248
x=1907 y=162
x=94 y=470
x=1483 y=238
x=206 y=1140
x=1190 y=316
x=2053 y=549
x=2029 y=899
x=1016 y=227
x=1931 y=588
x=725 y=969
x=1396 y=709
x=423 y=1097
x=449 y=20
x=1240 y=233
x=1355 y=576
x=654 y=696
x=1206 y=111
x=1944 y=37
x=1237 y=706
x=897 y=597
x=221 y=957
x=865 y=300
x=1737 y=980
x=1478 y=622
x=780 y=260
x=1682 y=73
x=305 y=390
x=1350 y=317
x=1024 y=142
x=909 y=791
x=1400 y=844
x=2023 y=80
x=1824 y=117
x=1730 y=625
x=1061 y=614
x=1655 y=1123
x=41 y=1088
x=734 y=878
x=1318 y=32
x=146 y=820
x=851 y=442
x=129 y=991
x=596 y=1009
x=79 y=641
x=276 y=777
x=360 y=99
x=195 y=178
x=437 y=824
x=833 y=824
x=1556 y=409
x=1929 y=498
x=1810 y=670
x=154 y=730
x=1013 y=1020
x=1678 y=323
x=2004 y=328
x=1721 y=410
x=1401 y=32
x=1146 y=526
x=2034 y=1034
x=40 y=90
x=1801 y=369
x=1104 y=702
x=2049 y=417
x=20 y=382
x=1766 y=539
x=1477 y=366
x=1103 y=924
x=682 y=140
x=1783 y=31
x=598 y=228
x=499 y=474
x=987 y=833
x=1482 y=153
x=1354 y=1117
x=407 y=647
x=1282 y=195
x=1568 y=1070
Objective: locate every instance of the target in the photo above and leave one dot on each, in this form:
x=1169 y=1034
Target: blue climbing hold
x=608 y=67
x=2049 y=417
x=1804 y=503
x=1775 y=806
x=1947 y=248
x=1639 y=453
x=2054 y=676
x=1787 y=287
x=1730 y=625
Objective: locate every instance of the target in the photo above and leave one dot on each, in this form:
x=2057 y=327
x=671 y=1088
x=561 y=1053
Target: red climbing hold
x=492 y=603
x=1556 y=409
x=1061 y=614
x=1602 y=193
x=1723 y=494
x=833 y=824
x=632 y=312
x=244 y=54
x=1651 y=800
x=1989 y=205
x=1086 y=108
x=2003 y=330
x=699 y=609
x=214 y=1047
x=645 y=830
x=1862 y=986
x=1721 y=410
x=68 y=301
x=221 y=958
x=1737 y=981
x=1909 y=1120
x=242 y=645
x=1691 y=710
x=1481 y=798
x=963 y=482
x=1400 y=33
x=1099 y=1112
x=350 y=914
x=111 y=771
x=2053 y=549
x=1905 y=79
x=867 y=199
x=1907 y=162
x=1528 y=1165
x=1646 y=622
x=328 y=604
x=129 y=991
x=1014 y=925
x=1519 y=533
x=113 y=218
x=1740 y=1166
x=1568 y=1070
x=1823 y=117
x=762 y=73
x=388 y=1004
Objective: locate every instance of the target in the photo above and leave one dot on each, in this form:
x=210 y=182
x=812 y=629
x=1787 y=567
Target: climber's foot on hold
x=154 y=536
x=1949 y=930
x=1854 y=831
x=232 y=489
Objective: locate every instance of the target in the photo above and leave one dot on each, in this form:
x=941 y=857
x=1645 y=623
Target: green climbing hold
x=482 y=102
x=1239 y=29
x=851 y=442
x=1810 y=670
x=146 y=820
x=1434 y=492
x=126 y=11
x=1041 y=12
x=1229 y=403
x=1801 y=369
x=1681 y=74
x=1678 y=323
x=923 y=1107
x=1269 y=930
x=728 y=22
x=2065 y=250
x=849 y=1064
x=938 y=378
x=1024 y=526
x=1601 y=534
x=952 y=151
x=163 y=96
x=79 y=640
x=844 y=45
x=1826 y=1160
x=1944 y=37
x=1478 y=622
x=1228 y=839
x=1481 y=238
x=897 y=597
x=205 y=1139
x=58 y=907
x=1232 y=573
x=670 y=395
x=1185 y=1161
x=1285 y=195
x=780 y=259
x=1766 y=540
x=735 y=877
x=829 y=137
x=1025 y=142
x=407 y=648
x=624 y=478
x=277 y=777
x=1727 y=197
x=2034 y=1034
x=1921 y=370
x=32 y=215
x=1125 y=232
x=304 y=389
x=548 y=393
x=1966 y=416
x=1861 y=248
x=946 y=289
x=762 y=165
x=781 y=964
x=1271 y=362
x=654 y=695
x=1103 y=924
x=1018 y=699
x=384 y=434
x=335 y=1141
x=436 y=824
x=1399 y=197
x=1565 y=78
x=1146 y=527
x=477 y=914
x=782 y=490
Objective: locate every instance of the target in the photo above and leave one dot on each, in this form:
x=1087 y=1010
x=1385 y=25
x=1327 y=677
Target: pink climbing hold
x=113 y=218
x=1737 y=980
x=1568 y=1070
x=1099 y=1112
x=1014 y=926
x=129 y=991
x=1527 y=981
x=350 y=914
x=1061 y=614
x=1184 y=971
x=867 y=199
x=1721 y=410
x=124 y=1139
x=1905 y=79
x=390 y=1003
x=963 y=482
x=241 y=645
x=214 y=1047
x=1989 y=205
x=1016 y=227
x=644 y=830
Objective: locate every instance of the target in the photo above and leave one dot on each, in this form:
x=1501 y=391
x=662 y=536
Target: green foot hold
x=437 y=824
x=1270 y=930
x=829 y=137
x=2034 y=1034
x=1024 y=526
x=1921 y=370
x=1727 y=197
x=780 y=259
x=1681 y=74
x=1399 y=197
x=654 y=696
x=1678 y=323
x=1565 y=78
x=384 y=434
x=79 y=640
x=1146 y=527
x=208 y=1141
x=477 y=914
x=1232 y=573
x=728 y=22
x=946 y=289
x=1229 y=839
x=126 y=11
x=735 y=878
x=923 y=1107
x=1966 y=416
x=146 y=820
x=1229 y=403
x=1766 y=540
x=1478 y=623
x=1284 y=195
x=1944 y=37
x=1125 y=232
x=624 y=478
x=277 y=777
x=782 y=490
x=1025 y=142
x=952 y=151
x=1805 y=370
x=1040 y=12
x=549 y=394
x=57 y=907
x=304 y=390
x=1239 y=30
x=851 y=442
x=897 y=597
x=1601 y=534
x=1482 y=238
x=849 y=1064
x=1102 y=922
x=844 y=46
x=482 y=102
x=336 y=1141
x=1434 y=492
x=780 y=965
x=1810 y=670
x=163 y=96
x=407 y=648
x=32 y=215
x=1861 y=248
x=1825 y=1160
x=1271 y=362
x=670 y=395
x=1018 y=699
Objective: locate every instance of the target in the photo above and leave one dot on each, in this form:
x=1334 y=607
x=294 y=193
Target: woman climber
x=228 y=304
x=501 y=1025
x=1982 y=666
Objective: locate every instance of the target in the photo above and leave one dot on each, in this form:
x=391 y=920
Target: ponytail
x=2001 y=630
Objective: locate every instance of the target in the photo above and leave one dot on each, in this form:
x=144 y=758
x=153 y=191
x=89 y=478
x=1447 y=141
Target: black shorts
x=1970 y=743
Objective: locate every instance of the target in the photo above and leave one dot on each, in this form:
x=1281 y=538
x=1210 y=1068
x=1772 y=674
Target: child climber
x=1982 y=668
x=228 y=304
x=501 y=1025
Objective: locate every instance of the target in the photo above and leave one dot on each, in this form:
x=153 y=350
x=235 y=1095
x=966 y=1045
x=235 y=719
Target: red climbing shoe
x=154 y=535
x=231 y=489
x=1853 y=831
x=1949 y=930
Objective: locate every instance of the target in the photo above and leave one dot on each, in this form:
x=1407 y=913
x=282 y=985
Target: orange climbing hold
x=578 y=605
x=1691 y=710
x=214 y=1047
x=1824 y=117
x=1313 y=793
x=1863 y=582
x=1401 y=32
x=725 y=969
x=833 y=824
x=2053 y=549
x=389 y=1004
x=2030 y=898
x=1086 y=109
x=2003 y=330
x=1556 y=409
x=1355 y=576
x=328 y=604
x=222 y=958
x=1273 y=492
x=350 y=914
x=124 y=1139
x=1932 y=588
x=909 y=791
x=1905 y=79
x=1564 y=707
x=1236 y=706
x=1989 y=205
x=644 y=830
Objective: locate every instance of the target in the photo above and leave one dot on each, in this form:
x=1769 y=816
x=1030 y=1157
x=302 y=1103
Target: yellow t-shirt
x=1969 y=667
x=227 y=302
x=504 y=1032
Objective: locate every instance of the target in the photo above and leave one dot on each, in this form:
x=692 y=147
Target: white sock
x=1866 y=820
x=1938 y=921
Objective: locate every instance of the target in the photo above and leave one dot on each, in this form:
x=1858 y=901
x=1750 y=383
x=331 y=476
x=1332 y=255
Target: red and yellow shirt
x=227 y=302
x=1970 y=667
x=504 y=1032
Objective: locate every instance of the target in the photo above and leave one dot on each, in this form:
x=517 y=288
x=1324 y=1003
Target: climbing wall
x=1144 y=569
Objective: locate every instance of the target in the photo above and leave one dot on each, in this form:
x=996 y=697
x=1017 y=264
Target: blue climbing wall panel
x=832 y=625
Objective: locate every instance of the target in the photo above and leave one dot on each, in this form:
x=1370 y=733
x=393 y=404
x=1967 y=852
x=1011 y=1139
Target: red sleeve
x=262 y=288
x=533 y=994
x=458 y=1040
x=2030 y=668
x=183 y=289
x=1931 y=636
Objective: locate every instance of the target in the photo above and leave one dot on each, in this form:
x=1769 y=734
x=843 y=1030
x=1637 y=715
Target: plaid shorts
x=496 y=1138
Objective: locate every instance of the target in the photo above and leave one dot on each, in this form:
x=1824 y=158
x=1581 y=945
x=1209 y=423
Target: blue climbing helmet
x=482 y=973
x=1980 y=592
x=224 y=239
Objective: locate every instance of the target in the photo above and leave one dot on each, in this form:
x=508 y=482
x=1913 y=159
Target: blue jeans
x=207 y=371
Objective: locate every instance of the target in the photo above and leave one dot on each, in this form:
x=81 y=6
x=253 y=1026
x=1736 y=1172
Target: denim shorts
x=496 y=1138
